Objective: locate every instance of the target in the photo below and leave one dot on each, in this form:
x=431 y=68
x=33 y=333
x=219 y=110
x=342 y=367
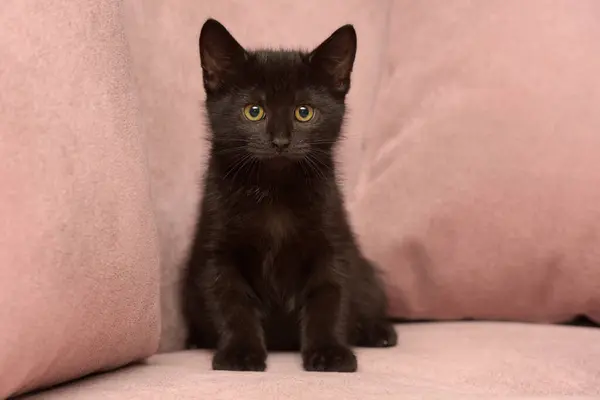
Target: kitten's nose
x=281 y=143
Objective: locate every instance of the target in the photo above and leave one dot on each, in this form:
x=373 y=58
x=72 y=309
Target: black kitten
x=274 y=263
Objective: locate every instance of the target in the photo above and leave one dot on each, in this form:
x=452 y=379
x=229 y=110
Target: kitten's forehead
x=279 y=69
x=283 y=58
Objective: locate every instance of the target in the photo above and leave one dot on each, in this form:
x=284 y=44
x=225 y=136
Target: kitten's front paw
x=380 y=334
x=240 y=358
x=332 y=358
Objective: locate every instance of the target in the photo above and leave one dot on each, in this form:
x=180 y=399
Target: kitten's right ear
x=220 y=54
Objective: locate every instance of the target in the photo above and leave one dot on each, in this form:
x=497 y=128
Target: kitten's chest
x=276 y=224
x=274 y=218
x=282 y=241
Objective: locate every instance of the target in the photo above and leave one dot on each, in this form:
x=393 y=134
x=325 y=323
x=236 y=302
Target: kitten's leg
x=201 y=332
x=376 y=333
x=233 y=308
x=369 y=304
x=324 y=328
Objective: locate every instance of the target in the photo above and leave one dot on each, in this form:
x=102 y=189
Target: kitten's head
x=275 y=106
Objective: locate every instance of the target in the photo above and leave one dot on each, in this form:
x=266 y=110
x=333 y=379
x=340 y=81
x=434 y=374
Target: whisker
x=243 y=164
x=314 y=166
x=322 y=141
x=230 y=150
x=320 y=151
x=240 y=161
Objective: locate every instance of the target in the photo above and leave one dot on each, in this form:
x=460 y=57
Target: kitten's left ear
x=335 y=57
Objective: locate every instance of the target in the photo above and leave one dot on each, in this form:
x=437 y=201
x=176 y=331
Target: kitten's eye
x=253 y=112
x=304 y=113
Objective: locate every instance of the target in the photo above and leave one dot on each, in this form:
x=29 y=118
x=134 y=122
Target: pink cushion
x=78 y=254
x=481 y=195
x=454 y=361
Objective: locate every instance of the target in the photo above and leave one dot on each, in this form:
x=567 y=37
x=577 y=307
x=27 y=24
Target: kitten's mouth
x=279 y=156
x=279 y=159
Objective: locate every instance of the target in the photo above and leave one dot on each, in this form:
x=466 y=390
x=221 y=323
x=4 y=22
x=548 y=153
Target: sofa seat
x=458 y=360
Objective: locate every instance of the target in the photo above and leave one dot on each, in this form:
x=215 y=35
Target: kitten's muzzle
x=280 y=143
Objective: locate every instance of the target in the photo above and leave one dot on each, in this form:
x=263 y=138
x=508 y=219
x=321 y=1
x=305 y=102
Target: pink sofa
x=470 y=168
x=446 y=361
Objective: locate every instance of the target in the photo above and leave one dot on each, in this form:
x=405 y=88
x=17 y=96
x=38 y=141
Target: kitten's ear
x=220 y=54
x=335 y=57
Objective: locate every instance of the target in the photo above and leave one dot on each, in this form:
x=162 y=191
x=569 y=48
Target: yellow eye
x=253 y=112
x=304 y=113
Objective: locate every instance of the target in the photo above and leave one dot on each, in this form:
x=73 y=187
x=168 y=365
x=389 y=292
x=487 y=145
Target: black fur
x=274 y=264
